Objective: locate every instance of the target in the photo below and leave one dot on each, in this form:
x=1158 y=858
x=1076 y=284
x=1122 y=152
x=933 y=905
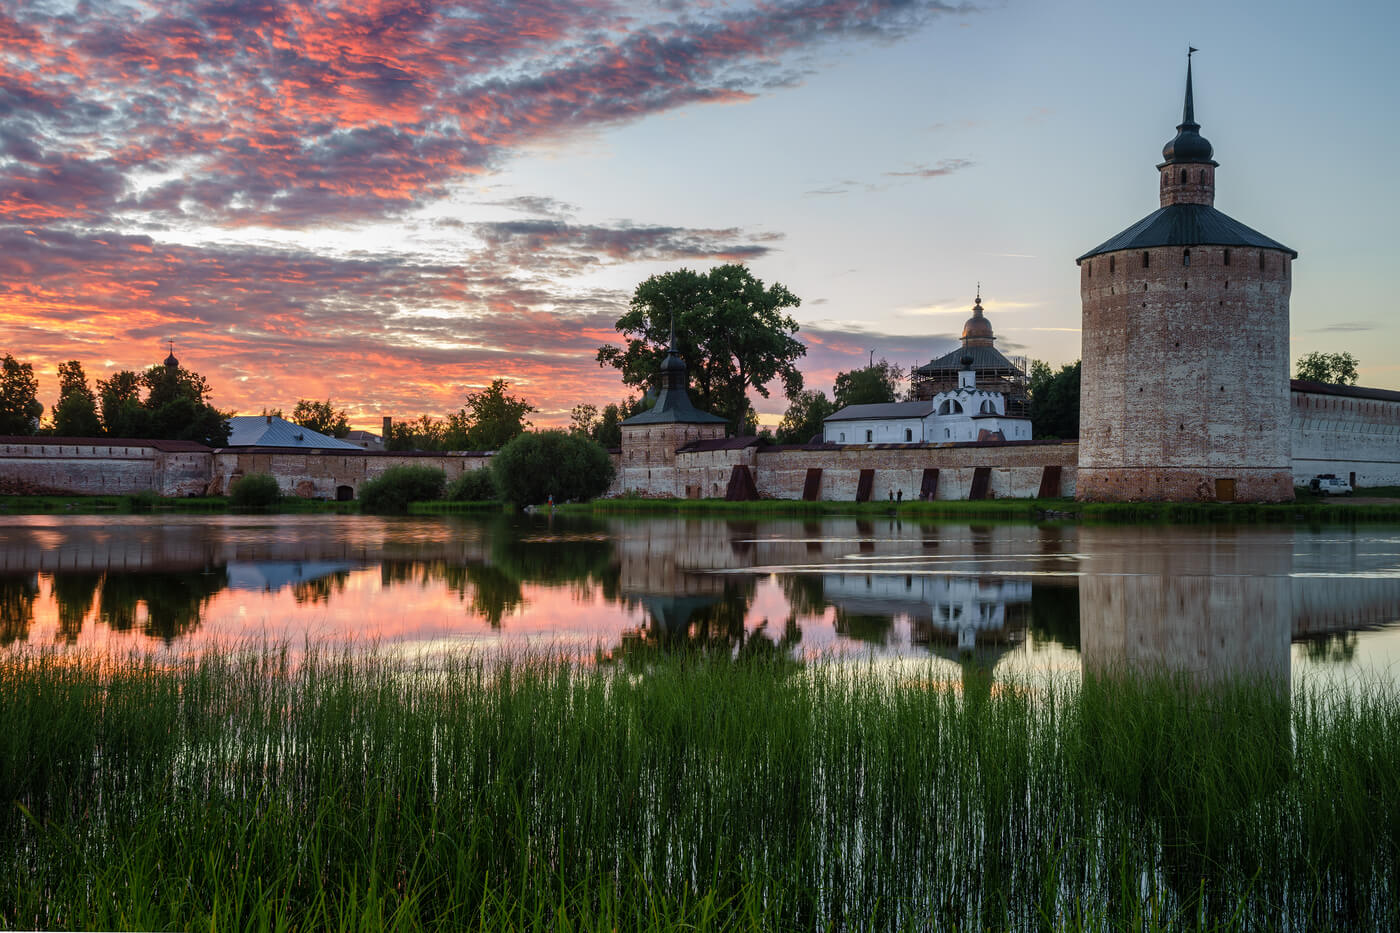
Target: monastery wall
x=1016 y=469
x=97 y=469
x=1352 y=432
x=327 y=474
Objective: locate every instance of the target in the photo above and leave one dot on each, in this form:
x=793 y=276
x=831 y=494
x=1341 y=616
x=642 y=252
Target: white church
x=953 y=416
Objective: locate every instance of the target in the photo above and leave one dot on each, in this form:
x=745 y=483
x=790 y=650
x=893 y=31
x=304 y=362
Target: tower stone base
x=1184 y=484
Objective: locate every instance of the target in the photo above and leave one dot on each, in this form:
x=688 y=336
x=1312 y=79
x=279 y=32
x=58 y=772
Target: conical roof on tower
x=673 y=405
x=1187 y=224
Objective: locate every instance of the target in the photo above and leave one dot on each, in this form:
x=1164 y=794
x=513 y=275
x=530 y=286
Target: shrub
x=536 y=465
x=473 y=486
x=396 y=487
x=255 y=491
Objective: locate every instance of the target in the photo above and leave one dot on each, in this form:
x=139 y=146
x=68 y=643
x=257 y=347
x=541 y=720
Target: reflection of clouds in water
x=1194 y=599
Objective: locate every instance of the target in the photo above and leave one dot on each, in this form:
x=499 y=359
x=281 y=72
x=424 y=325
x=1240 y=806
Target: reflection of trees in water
x=74 y=595
x=872 y=629
x=1054 y=614
x=560 y=554
x=804 y=592
x=320 y=589
x=174 y=602
x=17 y=595
x=1333 y=648
x=711 y=625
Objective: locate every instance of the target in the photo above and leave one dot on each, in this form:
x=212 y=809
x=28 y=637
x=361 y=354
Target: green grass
x=449 y=507
x=252 y=791
x=1309 y=509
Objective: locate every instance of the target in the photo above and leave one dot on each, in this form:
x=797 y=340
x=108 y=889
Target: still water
x=1210 y=601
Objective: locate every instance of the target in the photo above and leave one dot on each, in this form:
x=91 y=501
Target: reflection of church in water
x=962 y=613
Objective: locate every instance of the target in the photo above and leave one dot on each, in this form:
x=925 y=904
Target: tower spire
x=1188 y=110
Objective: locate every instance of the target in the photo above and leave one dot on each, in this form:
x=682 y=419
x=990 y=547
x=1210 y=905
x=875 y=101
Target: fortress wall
x=1345 y=434
x=1016 y=469
x=100 y=469
x=316 y=474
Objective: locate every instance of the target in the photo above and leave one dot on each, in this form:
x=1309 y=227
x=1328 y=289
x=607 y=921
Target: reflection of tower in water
x=1213 y=602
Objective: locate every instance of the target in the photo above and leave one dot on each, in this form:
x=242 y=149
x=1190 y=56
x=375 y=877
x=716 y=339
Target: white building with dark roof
x=953 y=416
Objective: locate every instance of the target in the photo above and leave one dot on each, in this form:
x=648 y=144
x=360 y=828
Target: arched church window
x=988 y=408
x=1183 y=176
x=843 y=437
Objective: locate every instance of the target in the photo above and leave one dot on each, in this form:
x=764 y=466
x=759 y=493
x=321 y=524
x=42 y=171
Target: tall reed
x=340 y=790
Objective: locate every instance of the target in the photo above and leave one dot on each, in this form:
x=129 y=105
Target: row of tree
x=164 y=402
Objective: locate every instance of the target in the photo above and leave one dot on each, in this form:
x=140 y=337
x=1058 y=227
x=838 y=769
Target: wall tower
x=1184 y=386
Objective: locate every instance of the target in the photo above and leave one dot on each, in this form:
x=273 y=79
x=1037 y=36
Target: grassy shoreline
x=1307 y=510
x=697 y=793
x=1303 y=511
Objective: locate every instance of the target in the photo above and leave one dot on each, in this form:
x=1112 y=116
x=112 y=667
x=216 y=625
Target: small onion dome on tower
x=1188 y=146
x=170 y=361
x=977 y=332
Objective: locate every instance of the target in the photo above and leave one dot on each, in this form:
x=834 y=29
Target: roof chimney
x=269 y=419
x=388 y=427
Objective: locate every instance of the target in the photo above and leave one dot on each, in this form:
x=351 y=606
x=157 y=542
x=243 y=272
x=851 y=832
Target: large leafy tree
x=493 y=417
x=488 y=421
x=1054 y=397
x=870 y=385
x=803 y=419
x=175 y=406
x=123 y=415
x=1334 y=368
x=730 y=328
x=75 y=415
x=178 y=402
x=534 y=466
x=19 y=397
x=322 y=417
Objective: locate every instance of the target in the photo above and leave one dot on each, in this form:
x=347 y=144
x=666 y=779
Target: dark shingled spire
x=1189 y=145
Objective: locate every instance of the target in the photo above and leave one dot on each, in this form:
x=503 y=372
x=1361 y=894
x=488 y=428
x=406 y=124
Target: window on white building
x=868 y=436
x=908 y=435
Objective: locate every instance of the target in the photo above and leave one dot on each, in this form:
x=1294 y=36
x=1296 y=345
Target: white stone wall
x=1345 y=435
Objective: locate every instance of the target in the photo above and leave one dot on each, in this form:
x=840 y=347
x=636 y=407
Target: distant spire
x=1188 y=111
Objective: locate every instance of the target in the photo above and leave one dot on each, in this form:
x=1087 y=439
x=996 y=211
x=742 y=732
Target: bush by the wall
x=473 y=486
x=540 y=464
x=256 y=490
x=396 y=487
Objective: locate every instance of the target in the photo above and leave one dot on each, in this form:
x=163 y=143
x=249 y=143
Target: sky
x=390 y=203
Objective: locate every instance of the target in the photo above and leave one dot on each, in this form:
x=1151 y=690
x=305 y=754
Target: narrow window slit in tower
x=1186 y=257
x=1227 y=257
x=1145 y=259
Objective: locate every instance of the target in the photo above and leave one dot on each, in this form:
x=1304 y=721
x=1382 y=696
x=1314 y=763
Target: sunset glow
x=392 y=203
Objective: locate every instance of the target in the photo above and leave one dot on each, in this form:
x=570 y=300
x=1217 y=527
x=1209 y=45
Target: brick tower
x=1184 y=385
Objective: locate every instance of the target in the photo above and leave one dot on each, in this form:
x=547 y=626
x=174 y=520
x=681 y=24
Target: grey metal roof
x=673 y=406
x=1187 y=225
x=983 y=358
x=272 y=431
x=883 y=410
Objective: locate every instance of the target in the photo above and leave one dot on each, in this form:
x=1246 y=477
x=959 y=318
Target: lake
x=1281 y=601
